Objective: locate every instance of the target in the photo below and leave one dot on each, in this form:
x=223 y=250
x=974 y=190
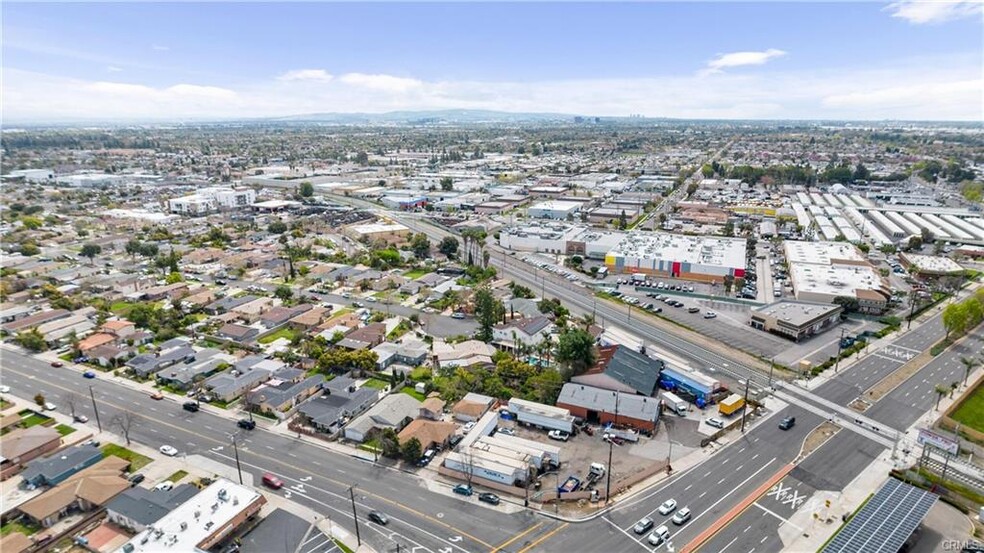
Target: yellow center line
x=283 y=463
x=516 y=537
x=544 y=538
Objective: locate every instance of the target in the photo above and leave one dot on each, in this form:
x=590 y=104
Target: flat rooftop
x=371 y=228
x=195 y=520
x=556 y=205
x=821 y=253
x=703 y=250
x=933 y=264
x=837 y=280
x=797 y=313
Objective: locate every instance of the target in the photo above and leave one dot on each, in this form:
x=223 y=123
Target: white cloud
x=936 y=11
x=738 y=59
x=387 y=83
x=953 y=91
x=114 y=69
x=160 y=48
x=317 y=75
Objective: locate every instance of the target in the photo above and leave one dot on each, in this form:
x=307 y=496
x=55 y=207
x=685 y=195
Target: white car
x=168 y=450
x=164 y=486
x=558 y=435
x=681 y=516
x=4 y=389
x=715 y=422
x=48 y=406
x=668 y=507
x=710 y=315
x=659 y=535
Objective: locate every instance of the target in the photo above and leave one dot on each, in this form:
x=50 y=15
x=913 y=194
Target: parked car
x=787 y=423
x=693 y=310
x=489 y=498
x=136 y=479
x=48 y=406
x=710 y=315
x=168 y=450
x=57 y=364
x=272 y=482
x=80 y=418
x=505 y=431
x=246 y=424
x=715 y=422
x=89 y=374
x=157 y=395
x=164 y=486
x=426 y=458
x=378 y=518
x=191 y=406
x=643 y=526
x=558 y=435
x=457 y=315
x=463 y=489
x=668 y=507
x=681 y=516
x=4 y=389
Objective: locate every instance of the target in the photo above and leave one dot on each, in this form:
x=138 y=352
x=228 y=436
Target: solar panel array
x=885 y=522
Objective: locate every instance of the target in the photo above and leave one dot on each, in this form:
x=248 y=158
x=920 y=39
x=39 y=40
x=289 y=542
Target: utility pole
x=95 y=409
x=840 y=343
x=744 y=409
x=608 y=486
x=239 y=468
x=355 y=516
x=911 y=311
x=772 y=366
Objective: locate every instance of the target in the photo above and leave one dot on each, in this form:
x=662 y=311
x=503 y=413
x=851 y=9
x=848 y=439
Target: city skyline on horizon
x=903 y=60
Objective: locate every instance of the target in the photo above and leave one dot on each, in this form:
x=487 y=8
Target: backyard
x=285 y=333
x=414 y=274
x=376 y=383
x=137 y=461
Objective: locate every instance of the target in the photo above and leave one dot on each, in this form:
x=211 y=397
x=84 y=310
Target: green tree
x=39 y=399
x=173 y=278
x=277 y=227
x=915 y=243
x=969 y=364
x=306 y=189
x=420 y=245
x=850 y=304
x=32 y=340
x=488 y=311
x=411 y=450
x=389 y=443
x=284 y=292
x=91 y=251
x=449 y=246
x=955 y=318
x=576 y=351
x=623 y=220
x=29 y=249
x=941 y=391
x=447 y=184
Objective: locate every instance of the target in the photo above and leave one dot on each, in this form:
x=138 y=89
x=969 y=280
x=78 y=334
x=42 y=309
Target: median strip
x=733 y=513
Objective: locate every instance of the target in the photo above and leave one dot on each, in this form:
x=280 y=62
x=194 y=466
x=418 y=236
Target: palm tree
x=969 y=364
x=941 y=391
x=587 y=320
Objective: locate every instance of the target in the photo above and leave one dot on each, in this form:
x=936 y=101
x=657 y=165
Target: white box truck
x=675 y=404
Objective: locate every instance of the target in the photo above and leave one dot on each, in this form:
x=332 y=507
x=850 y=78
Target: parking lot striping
x=516 y=537
x=544 y=537
x=271 y=459
x=736 y=510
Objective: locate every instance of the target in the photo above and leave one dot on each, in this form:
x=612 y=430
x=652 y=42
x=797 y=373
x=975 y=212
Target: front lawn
x=34 y=419
x=376 y=383
x=177 y=476
x=137 y=461
x=971 y=410
x=284 y=332
x=26 y=527
x=416 y=273
x=121 y=307
x=4 y=404
x=64 y=429
x=413 y=393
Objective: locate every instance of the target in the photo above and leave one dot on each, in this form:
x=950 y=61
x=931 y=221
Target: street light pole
x=355 y=516
x=840 y=345
x=239 y=468
x=744 y=409
x=95 y=409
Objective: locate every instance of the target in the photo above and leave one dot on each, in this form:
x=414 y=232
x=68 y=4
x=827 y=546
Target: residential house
x=237 y=333
x=279 y=397
x=61 y=330
x=22 y=445
x=166 y=291
x=393 y=411
x=85 y=490
x=227 y=304
x=411 y=354
x=279 y=315
x=387 y=282
x=623 y=369
x=10 y=312
x=15 y=542
x=146 y=364
x=309 y=319
x=94 y=341
x=119 y=328
x=108 y=355
x=525 y=332
x=340 y=401
x=432 y=408
x=207 y=362
x=199 y=299
x=523 y=307
x=430 y=434
x=137 y=508
x=472 y=407
x=32 y=321
x=55 y=469
x=366 y=337
x=469 y=353
x=250 y=312
x=227 y=386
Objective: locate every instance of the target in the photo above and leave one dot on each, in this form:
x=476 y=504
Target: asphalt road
x=319 y=479
x=839 y=461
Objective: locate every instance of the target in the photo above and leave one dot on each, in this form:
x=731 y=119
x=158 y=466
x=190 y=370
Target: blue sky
x=865 y=60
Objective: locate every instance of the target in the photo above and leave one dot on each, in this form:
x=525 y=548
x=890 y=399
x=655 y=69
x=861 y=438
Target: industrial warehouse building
x=820 y=272
x=597 y=405
x=701 y=258
x=795 y=320
x=553 y=209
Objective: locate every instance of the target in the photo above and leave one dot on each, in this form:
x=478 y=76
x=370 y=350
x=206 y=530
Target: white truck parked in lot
x=675 y=404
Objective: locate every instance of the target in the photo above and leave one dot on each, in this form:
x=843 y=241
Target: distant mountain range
x=432 y=116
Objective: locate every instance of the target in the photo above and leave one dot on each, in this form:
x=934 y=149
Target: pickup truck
x=570 y=485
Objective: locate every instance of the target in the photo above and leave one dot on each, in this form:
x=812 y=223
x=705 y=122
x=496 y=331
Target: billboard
x=942 y=442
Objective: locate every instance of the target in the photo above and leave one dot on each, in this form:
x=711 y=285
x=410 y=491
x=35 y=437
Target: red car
x=272 y=481
x=57 y=364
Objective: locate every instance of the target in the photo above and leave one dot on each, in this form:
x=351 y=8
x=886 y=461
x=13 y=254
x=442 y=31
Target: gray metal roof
x=635 y=370
x=147 y=507
x=885 y=522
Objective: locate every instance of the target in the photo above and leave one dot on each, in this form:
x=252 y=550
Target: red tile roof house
x=94 y=341
x=120 y=328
